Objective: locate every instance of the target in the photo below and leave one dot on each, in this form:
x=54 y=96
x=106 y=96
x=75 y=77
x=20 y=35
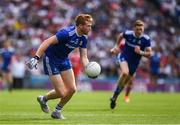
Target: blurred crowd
x=28 y=22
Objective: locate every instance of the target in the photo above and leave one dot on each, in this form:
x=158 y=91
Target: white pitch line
x=88 y=115
x=117 y=115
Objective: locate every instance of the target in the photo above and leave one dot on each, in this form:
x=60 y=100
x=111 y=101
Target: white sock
x=58 y=108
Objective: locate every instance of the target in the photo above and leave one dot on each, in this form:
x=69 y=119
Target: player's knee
x=60 y=93
x=71 y=91
x=125 y=74
x=63 y=94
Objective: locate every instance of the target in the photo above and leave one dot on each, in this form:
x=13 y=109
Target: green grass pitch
x=21 y=107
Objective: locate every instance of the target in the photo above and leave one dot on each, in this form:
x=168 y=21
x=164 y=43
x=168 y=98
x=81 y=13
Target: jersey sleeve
x=148 y=41
x=148 y=44
x=126 y=33
x=83 y=43
x=62 y=36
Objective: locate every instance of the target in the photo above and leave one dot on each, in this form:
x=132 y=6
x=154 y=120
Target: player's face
x=86 y=28
x=7 y=44
x=138 y=30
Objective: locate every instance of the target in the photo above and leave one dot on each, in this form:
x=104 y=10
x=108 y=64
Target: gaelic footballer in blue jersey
x=6 y=54
x=137 y=44
x=57 y=64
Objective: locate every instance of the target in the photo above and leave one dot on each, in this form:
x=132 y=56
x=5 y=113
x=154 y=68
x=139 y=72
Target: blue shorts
x=131 y=65
x=52 y=67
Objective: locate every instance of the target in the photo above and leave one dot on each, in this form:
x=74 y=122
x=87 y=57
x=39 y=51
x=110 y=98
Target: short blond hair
x=82 y=18
x=139 y=23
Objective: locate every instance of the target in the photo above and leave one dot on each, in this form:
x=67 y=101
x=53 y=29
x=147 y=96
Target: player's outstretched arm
x=32 y=63
x=116 y=49
x=45 y=44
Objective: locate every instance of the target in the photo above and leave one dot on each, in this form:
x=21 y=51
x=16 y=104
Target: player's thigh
x=124 y=67
x=57 y=82
x=6 y=75
x=68 y=79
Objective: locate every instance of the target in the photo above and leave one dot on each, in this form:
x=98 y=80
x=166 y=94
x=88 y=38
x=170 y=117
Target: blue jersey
x=128 y=54
x=68 y=40
x=6 y=55
x=56 y=56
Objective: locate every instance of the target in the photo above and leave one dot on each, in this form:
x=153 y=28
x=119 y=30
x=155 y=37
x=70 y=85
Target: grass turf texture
x=21 y=107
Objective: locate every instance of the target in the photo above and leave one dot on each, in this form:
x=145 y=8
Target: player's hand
x=137 y=49
x=32 y=63
x=114 y=50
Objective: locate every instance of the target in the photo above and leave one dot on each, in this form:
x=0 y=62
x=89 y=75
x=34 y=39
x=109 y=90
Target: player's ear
x=80 y=26
x=143 y=28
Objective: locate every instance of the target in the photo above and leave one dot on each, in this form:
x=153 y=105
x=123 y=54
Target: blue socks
x=118 y=90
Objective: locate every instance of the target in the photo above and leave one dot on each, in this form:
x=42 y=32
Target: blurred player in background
x=154 y=68
x=137 y=44
x=6 y=54
x=57 y=64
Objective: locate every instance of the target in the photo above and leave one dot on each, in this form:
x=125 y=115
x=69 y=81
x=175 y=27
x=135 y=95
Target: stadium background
x=28 y=23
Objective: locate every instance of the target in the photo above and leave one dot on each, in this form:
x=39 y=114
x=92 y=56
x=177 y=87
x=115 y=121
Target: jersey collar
x=136 y=36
